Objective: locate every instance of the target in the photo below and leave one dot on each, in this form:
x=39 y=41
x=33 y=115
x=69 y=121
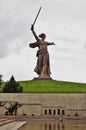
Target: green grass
x=51 y=86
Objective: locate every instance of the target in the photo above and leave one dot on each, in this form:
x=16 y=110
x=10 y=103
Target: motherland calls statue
x=43 y=64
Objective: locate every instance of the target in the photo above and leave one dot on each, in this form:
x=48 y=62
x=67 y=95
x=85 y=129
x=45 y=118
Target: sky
x=63 y=22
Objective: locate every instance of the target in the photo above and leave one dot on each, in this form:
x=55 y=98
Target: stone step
x=5 y=121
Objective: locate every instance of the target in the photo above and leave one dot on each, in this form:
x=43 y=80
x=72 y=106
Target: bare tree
x=12 y=109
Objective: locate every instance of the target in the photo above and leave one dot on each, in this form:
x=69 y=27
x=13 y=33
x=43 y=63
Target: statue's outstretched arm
x=50 y=43
x=34 y=33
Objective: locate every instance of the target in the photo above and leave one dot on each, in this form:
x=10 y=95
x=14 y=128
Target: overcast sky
x=63 y=21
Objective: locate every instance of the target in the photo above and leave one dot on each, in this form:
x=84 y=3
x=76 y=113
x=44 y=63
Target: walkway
x=12 y=126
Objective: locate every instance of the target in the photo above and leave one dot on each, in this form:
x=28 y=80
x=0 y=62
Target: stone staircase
x=5 y=121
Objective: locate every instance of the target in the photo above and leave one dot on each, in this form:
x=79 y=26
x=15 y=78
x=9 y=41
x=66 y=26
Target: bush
x=76 y=114
x=12 y=87
x=68 y=115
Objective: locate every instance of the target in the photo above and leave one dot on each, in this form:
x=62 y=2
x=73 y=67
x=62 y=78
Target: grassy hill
x=51 y=86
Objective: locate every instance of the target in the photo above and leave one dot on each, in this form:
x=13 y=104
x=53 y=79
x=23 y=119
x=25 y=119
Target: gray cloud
x=14 y=22
x=84 y=46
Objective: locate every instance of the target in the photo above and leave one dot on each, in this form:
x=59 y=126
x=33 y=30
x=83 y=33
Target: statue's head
x=42 y=35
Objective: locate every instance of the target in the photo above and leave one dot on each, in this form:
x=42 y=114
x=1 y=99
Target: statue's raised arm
x=34 y=33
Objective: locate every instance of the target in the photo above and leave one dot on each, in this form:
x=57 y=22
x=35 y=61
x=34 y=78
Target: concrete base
x=42 y=78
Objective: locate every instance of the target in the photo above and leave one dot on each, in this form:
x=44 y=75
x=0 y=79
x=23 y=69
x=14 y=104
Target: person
x=43 y=64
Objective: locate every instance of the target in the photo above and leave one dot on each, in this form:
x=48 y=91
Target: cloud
x=84 y=46
x=13 y=25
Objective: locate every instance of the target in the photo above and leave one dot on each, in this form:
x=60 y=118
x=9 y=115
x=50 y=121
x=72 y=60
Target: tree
x=12 y=109
x=12 y=86
x=0 y=80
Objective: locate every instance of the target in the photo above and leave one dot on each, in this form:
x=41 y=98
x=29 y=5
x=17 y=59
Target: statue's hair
x=42 y=35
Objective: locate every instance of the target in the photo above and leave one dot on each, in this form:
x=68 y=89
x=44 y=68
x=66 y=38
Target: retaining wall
x=46 y=104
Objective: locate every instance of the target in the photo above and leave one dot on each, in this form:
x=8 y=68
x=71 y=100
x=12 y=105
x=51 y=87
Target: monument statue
x=43 y=64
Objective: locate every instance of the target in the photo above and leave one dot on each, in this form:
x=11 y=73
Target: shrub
x=76 y=114
x=0 y=80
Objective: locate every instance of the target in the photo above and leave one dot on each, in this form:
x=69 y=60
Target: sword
x=37 y=16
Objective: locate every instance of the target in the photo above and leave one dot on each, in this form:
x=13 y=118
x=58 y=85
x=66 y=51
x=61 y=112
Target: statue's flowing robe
x=33 y=45
x=43 y=64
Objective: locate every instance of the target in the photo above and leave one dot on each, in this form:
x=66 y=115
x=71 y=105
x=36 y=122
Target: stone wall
x=46 y=104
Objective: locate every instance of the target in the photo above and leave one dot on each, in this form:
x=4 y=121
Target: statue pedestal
x=42 y=78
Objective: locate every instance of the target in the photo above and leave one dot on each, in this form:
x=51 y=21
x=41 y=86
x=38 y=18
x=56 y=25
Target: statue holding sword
x=43 y=63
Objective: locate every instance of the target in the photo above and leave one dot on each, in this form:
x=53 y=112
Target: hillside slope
x=52 y=86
